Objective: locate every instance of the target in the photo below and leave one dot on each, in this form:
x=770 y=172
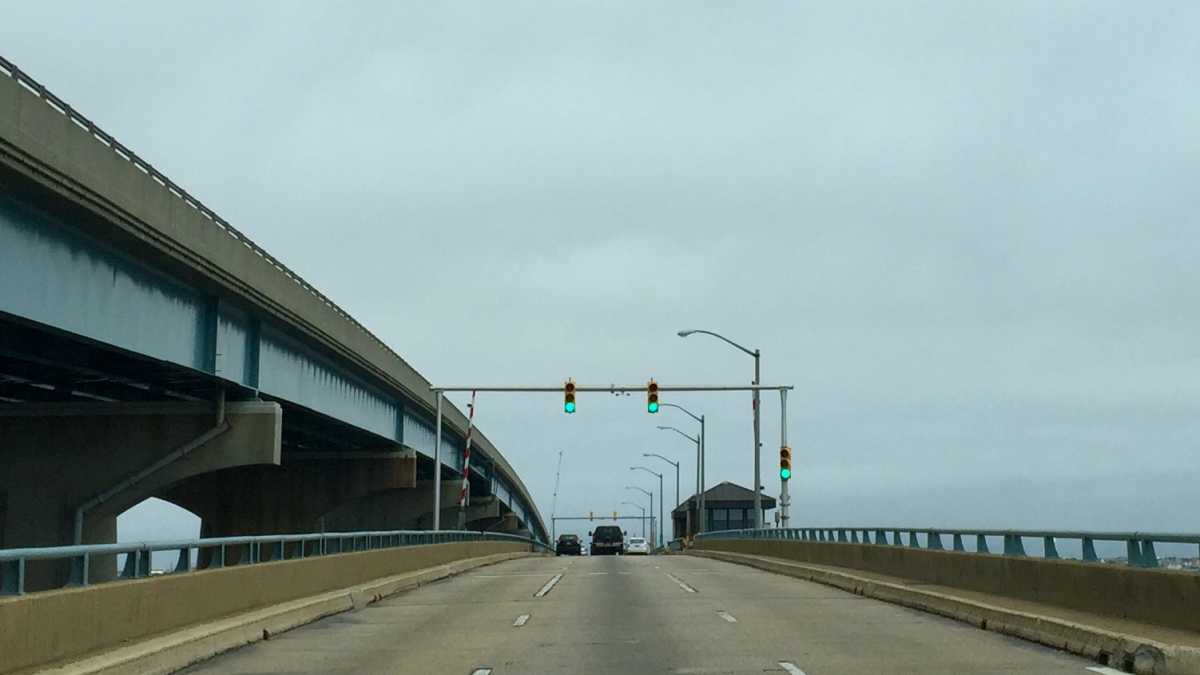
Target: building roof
x=726 y=495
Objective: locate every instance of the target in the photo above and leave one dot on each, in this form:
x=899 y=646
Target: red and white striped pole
x=465 y=491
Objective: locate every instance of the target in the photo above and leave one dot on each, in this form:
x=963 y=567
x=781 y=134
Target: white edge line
x=549 y=585
x=791 y=668
x=1104 y=670
x=682 y=585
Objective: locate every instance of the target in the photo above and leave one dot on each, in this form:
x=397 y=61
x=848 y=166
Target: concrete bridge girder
x=406 y=509
x=291 y=498
x=110 y=456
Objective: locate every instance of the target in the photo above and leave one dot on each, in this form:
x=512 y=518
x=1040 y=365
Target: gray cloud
x=966 y=233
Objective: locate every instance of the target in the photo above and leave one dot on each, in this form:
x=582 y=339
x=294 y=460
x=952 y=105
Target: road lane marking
x=726 y=615
x=521 y=620
x=790 y=668
x=549 y=585
x=506 y=576
x=682 y=585
x=596 y=574
x=1105 y=670
x=482 y=671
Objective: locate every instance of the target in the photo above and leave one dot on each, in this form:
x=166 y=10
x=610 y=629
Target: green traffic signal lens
x=652 y=407
x=785 y=473
x=569 y=407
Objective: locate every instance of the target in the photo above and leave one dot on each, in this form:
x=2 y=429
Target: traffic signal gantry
x=569 y=389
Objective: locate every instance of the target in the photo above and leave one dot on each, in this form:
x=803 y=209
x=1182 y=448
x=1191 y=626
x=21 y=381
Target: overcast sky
x=966 y=232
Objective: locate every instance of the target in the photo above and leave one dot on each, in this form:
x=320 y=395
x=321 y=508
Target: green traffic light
x=785 y=473
x=569 y=407
x=652 y=407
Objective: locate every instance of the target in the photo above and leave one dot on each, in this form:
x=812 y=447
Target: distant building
x=729 y=507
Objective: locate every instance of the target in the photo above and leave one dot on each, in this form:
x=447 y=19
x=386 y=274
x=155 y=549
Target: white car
x=637 y=546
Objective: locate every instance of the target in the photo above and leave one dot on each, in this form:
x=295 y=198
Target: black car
x=568 y=544
x=608 y=540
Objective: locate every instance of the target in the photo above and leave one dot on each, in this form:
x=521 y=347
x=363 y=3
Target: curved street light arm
x=685 y=333
x=653 y=473
x=694 y=440
x=655 y=454
x=645 y=492
x=672 y=405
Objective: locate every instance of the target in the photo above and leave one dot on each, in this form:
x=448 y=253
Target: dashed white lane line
x=596 y=574
x=679 y=583
x=727 y=616
x=790 y=668
x=1105 y=670
x=549 y=585
x=521 y=620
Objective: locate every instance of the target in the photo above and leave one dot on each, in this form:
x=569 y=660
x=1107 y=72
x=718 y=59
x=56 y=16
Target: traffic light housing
x=651 y=396
x=785 y=463
x=569 y=397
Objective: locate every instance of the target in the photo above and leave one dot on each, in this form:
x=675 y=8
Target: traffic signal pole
x=784 y=499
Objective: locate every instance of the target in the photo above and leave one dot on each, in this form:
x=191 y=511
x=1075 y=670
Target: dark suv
x=568 y=544
x=608 y=540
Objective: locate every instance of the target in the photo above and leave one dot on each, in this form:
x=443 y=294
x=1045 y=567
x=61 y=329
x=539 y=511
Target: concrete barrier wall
x=1163 y=597
x=44 y=627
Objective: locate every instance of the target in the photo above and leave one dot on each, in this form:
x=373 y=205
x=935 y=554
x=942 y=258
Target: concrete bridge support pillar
x=107 y=457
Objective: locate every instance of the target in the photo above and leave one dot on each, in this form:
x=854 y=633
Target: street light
x=701 y=449
x=674 y=464
x=650 y=494
x=698 y=440
x=643 y=510
x=757 y=445
x=660 y=499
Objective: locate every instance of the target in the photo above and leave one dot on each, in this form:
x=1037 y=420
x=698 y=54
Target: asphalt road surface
x=631 y=615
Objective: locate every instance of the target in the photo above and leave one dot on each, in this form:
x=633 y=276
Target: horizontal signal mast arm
x=636 y=387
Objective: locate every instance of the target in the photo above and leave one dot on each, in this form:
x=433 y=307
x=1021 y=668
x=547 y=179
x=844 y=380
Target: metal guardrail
x=248 y=551
x=1139 y=546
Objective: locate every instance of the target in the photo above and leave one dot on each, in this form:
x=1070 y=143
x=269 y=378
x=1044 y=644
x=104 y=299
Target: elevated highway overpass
x=150 y=348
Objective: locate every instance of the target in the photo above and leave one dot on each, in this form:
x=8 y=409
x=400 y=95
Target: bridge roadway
x=633 y=615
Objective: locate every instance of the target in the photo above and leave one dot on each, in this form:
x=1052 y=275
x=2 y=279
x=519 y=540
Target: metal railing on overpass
x=1139 y=546
x=244 y=550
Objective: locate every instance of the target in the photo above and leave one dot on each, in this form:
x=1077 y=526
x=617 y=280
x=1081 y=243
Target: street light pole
x=660 y=500
x=649 y=493
x=699 y=441
x=676 y=465
x=755 y=403
x=643 y=510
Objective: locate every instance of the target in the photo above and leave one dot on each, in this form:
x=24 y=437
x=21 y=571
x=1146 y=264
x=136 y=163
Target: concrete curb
x=1132 y=653
x=179 y=649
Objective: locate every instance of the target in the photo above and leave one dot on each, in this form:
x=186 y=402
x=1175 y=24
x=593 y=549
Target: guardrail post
x=1051 y=551
x=853 y=536
x=1089 y=550
x=255 y=554
x=841 y=535
x=1133 y=552
x=933 y=541
x=981 y=544
x=218 y=560
x=129 y=569
x=958 y=543
x=912 y=540
x=184 y=563
x=1013 y=545
x=881 y=537
x=12 y=576
x=896 y=540
x=79 y=570
x=1149 y=557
